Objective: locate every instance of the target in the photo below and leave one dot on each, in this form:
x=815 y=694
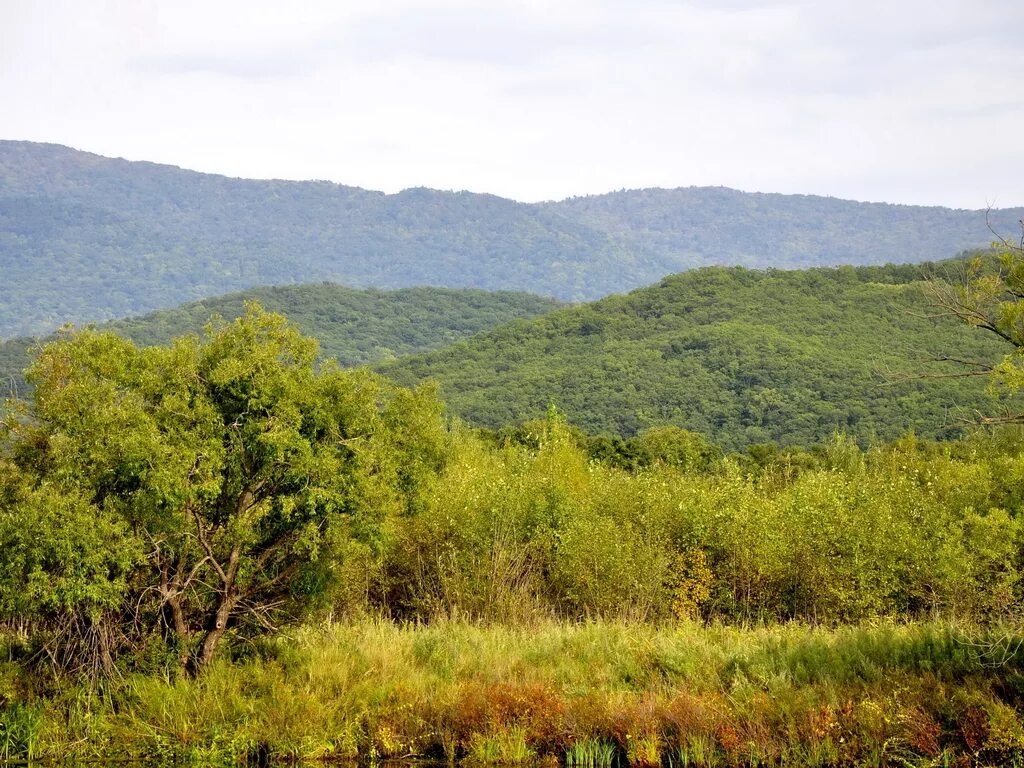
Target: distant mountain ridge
x=89 y=238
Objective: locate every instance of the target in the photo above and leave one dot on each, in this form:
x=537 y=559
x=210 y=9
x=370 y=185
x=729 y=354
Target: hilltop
x=90 y=238
x=741 y=356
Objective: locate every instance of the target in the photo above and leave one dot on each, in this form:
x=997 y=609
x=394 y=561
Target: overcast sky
x=914 y=101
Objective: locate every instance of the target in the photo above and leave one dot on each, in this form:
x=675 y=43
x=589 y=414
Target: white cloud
x=905 y=101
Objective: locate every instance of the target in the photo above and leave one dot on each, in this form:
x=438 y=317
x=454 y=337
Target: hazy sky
x=916 y=101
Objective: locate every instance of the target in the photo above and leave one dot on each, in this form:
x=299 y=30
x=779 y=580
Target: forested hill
x=88 y=238
x=353 y=326
x=741 y=356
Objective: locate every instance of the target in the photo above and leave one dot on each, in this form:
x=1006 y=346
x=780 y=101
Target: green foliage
x=514 y=531
x=20 y=727
x=354 y=326
x=738 y=356
x=669 y=446
x=200 y=487
x=238 y=486
x=689 y=581
x=85 y=238
x=590 y=753
x=61 y=553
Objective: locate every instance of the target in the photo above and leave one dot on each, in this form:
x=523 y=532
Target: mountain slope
x=88 y=238
x=353 y=326
x=741 y=356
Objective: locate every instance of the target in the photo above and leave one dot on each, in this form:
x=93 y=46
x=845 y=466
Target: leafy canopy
x=222 y=467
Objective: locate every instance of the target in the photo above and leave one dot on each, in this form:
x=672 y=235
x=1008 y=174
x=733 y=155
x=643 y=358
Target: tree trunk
x=180 y=629
x=226 y=601
x=173 y=613
x=218 y=626
x=178 y=617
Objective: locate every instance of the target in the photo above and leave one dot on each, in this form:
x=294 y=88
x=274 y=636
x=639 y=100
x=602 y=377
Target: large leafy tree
x=202 y=484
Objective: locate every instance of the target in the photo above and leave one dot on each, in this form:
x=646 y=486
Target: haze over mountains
x=88 y=238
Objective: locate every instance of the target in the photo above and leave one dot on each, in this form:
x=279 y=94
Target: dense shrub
x=538 y=527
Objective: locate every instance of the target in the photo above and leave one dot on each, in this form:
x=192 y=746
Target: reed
x=590 y=753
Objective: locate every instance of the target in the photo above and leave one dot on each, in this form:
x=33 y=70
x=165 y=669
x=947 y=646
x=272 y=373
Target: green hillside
x=742 y=356
x=354 y=326
x=85 y=238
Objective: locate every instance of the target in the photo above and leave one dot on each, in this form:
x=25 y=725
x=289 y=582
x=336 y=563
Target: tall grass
x=593 y=695
x=19 y=732
x=590 y=753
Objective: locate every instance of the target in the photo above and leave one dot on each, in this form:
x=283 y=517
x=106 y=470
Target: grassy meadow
x=590 y=694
